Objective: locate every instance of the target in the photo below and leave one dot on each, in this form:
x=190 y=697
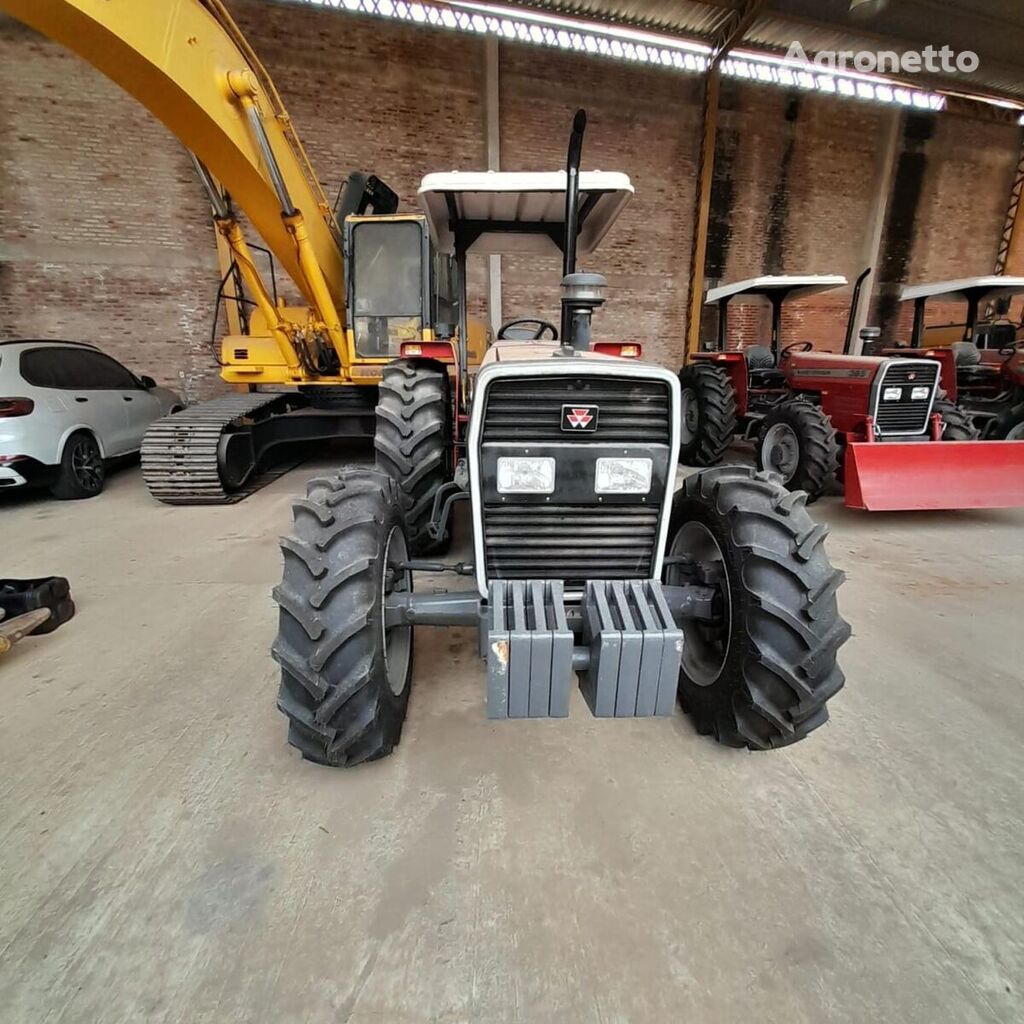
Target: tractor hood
x=529 y=351
x=828 y=364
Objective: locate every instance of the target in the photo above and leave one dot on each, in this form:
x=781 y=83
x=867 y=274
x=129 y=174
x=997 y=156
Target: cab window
x=387 y=285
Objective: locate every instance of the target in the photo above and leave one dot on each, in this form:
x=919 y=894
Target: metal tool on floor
x=33 y=607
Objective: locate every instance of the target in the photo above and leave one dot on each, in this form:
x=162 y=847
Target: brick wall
x=105 y=235
x=653 y=137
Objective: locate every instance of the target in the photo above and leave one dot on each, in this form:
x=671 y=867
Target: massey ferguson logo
x=579 y=417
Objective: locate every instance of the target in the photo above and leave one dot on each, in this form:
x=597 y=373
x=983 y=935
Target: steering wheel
x=797 y=346
x=539 y=326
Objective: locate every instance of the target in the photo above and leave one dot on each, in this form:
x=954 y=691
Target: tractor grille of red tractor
x=906 y=414
x=631 y=409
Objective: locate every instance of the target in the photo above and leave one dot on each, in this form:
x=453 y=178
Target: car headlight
x=623 y=476
x=517 y=475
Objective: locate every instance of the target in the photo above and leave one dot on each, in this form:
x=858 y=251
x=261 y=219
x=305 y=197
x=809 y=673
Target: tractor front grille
x=905 y=415
x=529 y=409
x=572 y=543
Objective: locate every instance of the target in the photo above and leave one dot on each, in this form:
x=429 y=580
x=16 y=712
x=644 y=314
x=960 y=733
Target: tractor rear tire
x=345 y=680
x=1010 y=426
x=815 y=460
x=956 y=424
x=708 y=413
x=413 y=439
x=761 y=676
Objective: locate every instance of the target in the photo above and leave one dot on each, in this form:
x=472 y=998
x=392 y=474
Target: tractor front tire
x=708 y=413
x=413 y=440
x=797 y=441
x=956 y=424
x=345 y=679
x=761 y=674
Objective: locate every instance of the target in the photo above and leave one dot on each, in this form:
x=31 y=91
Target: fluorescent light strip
x=637 y=46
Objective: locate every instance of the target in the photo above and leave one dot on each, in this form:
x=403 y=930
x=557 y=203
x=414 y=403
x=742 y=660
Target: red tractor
x=875 y=421
x=982 y=363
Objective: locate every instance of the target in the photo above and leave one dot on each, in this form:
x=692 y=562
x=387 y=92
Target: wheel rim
x=87 y=466
x=780 y=450
x=690 y=416
x=1016 y=433
x=397 y=640
x=705 y=644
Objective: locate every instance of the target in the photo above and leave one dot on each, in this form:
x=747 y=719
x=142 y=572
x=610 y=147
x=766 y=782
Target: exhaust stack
x=581 y=293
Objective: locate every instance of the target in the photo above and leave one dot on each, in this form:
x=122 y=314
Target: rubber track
x=179 y=452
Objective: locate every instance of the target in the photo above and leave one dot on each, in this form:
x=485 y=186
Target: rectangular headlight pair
x=526 y=475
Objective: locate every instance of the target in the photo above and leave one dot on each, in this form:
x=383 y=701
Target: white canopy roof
x=994 y=286
x=527 y=207
x=761 y=287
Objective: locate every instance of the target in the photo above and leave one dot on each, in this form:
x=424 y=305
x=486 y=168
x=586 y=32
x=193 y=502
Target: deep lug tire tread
x=413 y=439
x=957 y=425
x=819 y=448
x=334 y=687
x=718 y=420
x=781 y=668
x=1007 y=421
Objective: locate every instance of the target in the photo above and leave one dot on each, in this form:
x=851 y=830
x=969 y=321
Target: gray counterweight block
x=635 y=648
x=529 y=650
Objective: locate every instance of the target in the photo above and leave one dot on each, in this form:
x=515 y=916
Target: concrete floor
x=166 y=857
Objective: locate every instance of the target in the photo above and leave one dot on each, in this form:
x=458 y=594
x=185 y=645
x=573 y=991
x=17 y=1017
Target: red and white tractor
x=879 y=423
x=982 y=363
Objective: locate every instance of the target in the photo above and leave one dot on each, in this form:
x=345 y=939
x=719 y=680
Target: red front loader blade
x=886 y=477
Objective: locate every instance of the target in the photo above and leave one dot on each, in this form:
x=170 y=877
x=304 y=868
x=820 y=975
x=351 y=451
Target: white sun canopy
x=519 y=212
x=984 y=289
x=764 y=287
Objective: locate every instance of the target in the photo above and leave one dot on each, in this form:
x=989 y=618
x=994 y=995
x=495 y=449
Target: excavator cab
x=389 y=283
x=401 y=291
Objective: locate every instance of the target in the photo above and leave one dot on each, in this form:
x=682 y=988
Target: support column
x=731 y=33
x=1010 y=258
x=705 y=174
x=871 y=254
x=493 y=138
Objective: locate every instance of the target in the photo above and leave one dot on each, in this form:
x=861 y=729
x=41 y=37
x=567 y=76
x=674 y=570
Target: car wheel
x=81 y=472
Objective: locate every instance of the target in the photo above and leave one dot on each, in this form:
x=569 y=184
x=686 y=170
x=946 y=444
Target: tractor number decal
x=579 y=417
x=811 y=371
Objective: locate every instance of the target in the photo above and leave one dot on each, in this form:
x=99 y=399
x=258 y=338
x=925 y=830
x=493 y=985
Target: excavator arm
x=188 y=63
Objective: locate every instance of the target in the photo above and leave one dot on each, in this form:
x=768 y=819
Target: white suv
x=66 y=410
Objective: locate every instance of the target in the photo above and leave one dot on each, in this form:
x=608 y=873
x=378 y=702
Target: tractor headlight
x=623 y=476
x=920 y=394
x=892 y=394
x=526 y=475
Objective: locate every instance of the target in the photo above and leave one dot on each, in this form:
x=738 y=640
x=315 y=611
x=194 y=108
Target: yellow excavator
x=300 y=372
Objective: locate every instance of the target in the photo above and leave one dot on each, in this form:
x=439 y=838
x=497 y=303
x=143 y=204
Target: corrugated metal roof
x=993 y=29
